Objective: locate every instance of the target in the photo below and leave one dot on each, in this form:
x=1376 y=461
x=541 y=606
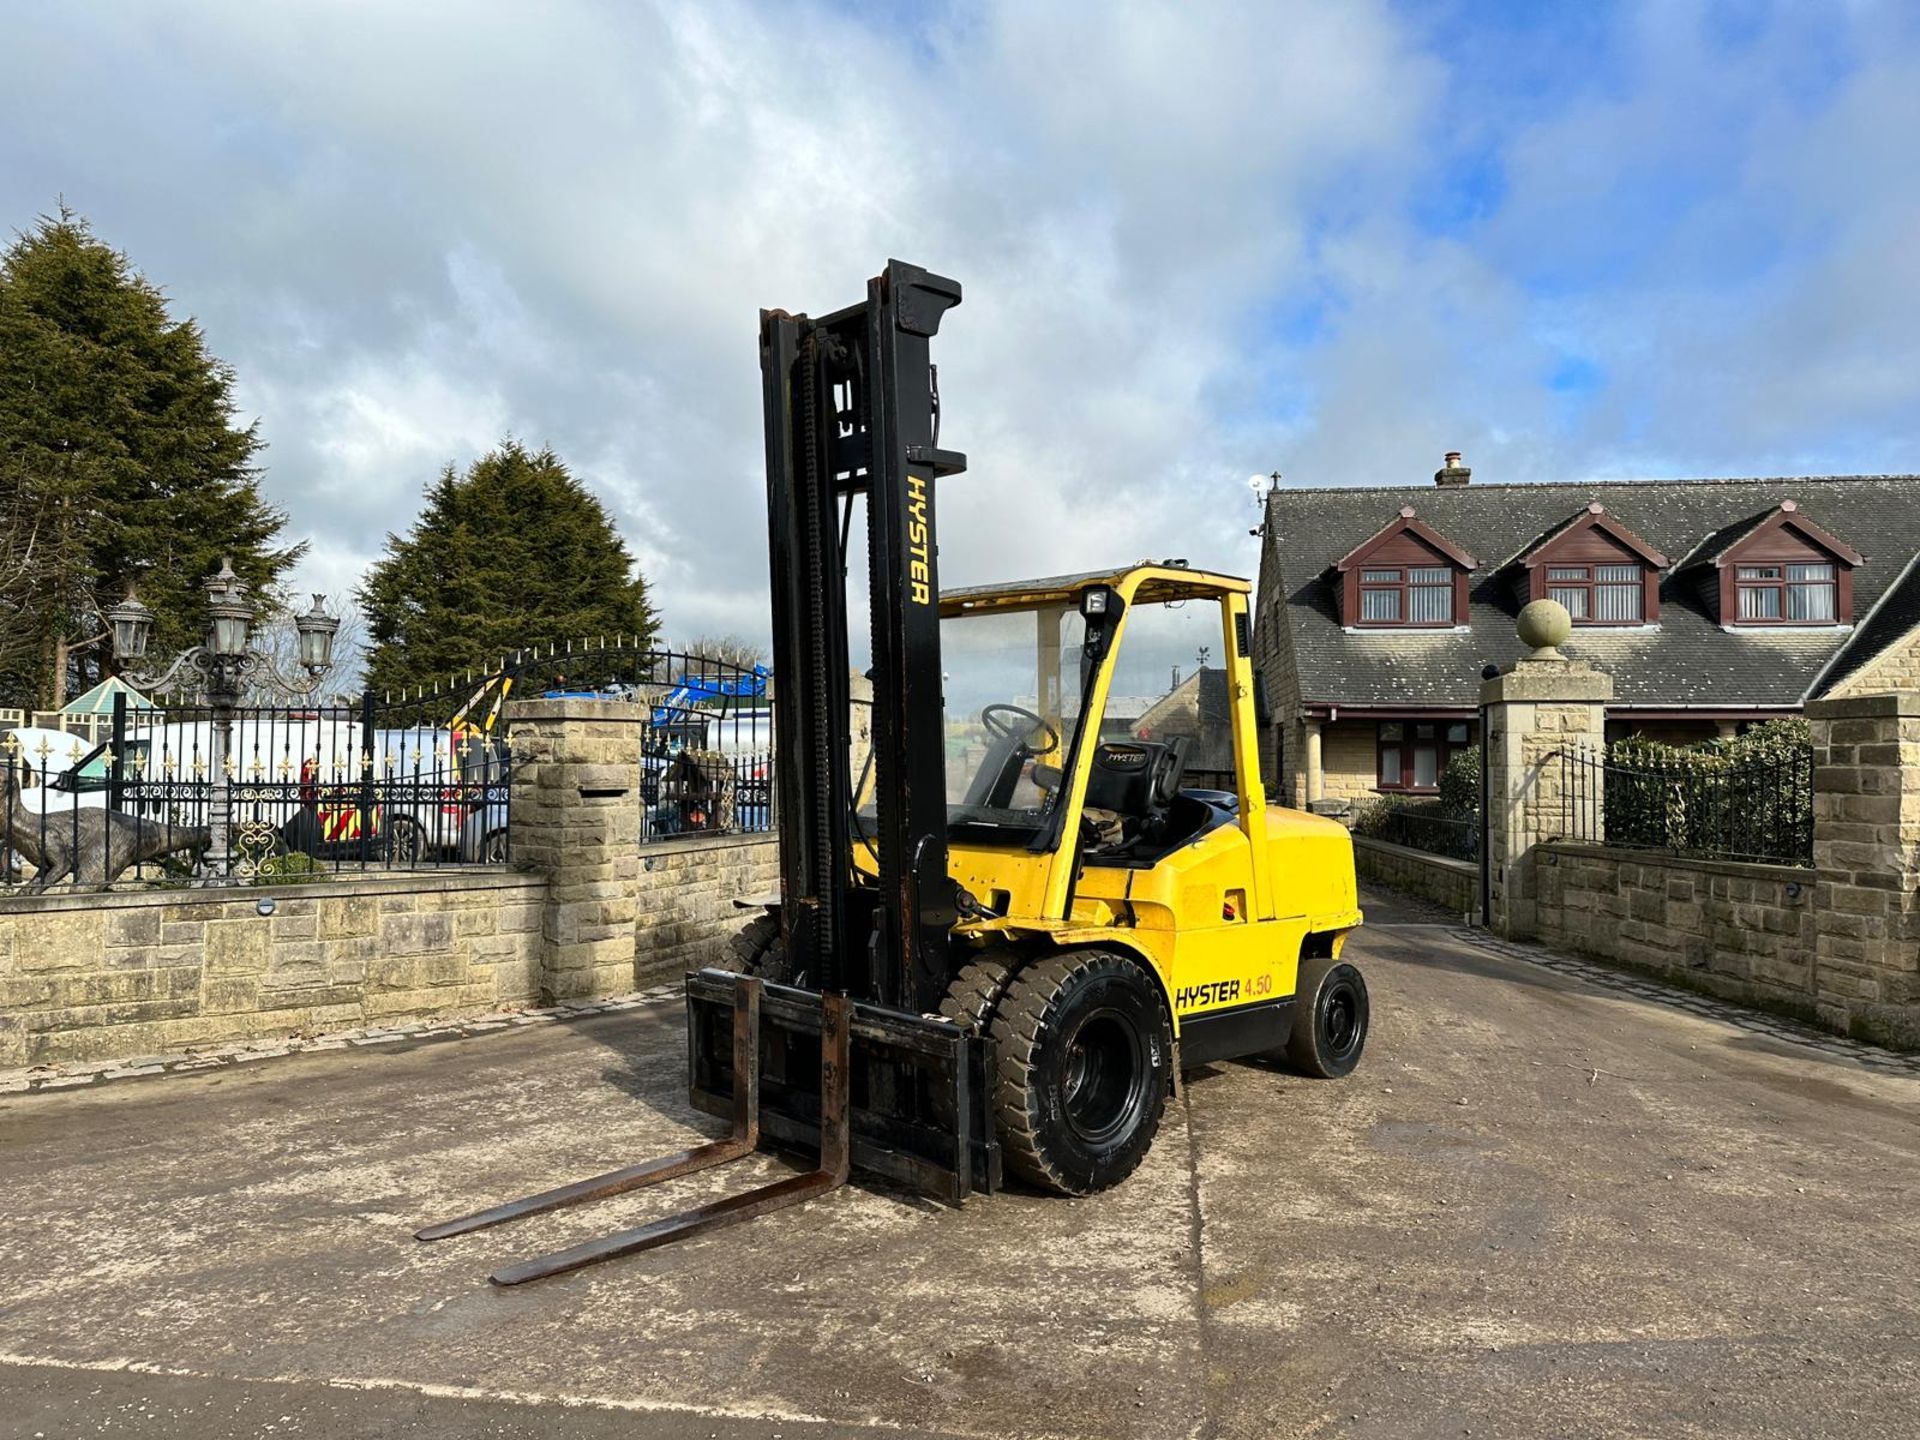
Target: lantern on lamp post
x=218 y=671
x=316 y=630
x=132 y=626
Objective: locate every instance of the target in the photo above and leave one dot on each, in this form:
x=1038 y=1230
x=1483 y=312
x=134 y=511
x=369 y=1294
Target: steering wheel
x=1023 y=737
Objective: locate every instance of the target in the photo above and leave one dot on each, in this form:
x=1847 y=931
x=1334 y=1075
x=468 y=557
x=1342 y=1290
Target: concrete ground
x=1542 y=1207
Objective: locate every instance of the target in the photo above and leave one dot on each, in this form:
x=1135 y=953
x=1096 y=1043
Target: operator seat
x=1138 y=781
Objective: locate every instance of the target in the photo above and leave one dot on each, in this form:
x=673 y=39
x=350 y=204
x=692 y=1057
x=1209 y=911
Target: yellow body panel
x=1222 y=920
x=1188 y=915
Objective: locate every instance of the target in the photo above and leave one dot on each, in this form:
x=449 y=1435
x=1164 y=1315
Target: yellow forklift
x=999 y=937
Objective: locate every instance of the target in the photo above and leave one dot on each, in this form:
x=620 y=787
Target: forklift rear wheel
x=756 y=950
x=1329 y=1019
x=1086 y=1058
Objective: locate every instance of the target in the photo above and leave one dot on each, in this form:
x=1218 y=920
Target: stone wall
x=1349 y=760
x=93 y=977
x=1453 y=885
x=686 y=912
x=1838 y=942
x=575 y=813
x=1866 y=844
x=1746 y=932
x=1895 y=668
x=588 y=911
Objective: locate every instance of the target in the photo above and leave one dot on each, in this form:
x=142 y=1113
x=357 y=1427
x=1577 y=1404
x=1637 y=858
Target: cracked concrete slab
x=1540 y=1207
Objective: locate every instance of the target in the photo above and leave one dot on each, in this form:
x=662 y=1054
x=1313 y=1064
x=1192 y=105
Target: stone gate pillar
x=574 y=816
x=1866 y=846
x=1543 y=704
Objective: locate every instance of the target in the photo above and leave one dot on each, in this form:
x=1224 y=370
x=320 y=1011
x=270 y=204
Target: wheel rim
x=1105 y=1078
x=1340 y=1020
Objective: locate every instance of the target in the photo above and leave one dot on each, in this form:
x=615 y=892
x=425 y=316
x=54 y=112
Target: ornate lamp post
x=219 y=669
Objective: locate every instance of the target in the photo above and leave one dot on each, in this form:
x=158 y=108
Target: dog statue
x=94 y=847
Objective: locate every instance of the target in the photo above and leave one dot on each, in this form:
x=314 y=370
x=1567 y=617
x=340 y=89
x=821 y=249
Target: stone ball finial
x=1544 y=626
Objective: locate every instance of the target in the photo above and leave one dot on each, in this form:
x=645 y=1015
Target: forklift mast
x=853 y=411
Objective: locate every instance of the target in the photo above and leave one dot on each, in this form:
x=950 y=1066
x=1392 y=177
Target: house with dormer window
x=1713 y=604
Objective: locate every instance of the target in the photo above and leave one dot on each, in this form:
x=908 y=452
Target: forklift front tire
x=756 y=950
x=1330 y=1015
x=1085 y=1064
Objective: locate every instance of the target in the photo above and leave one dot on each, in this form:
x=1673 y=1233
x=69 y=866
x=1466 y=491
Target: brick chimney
x=1453 y=472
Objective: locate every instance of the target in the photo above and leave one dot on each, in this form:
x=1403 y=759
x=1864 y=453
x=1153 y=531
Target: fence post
x=1866 y=845
x=1541 y=705
x=574 y=815
x=117 y=760
x=367 y=823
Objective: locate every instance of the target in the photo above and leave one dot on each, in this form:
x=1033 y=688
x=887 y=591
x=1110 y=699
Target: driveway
x=1544 y=1206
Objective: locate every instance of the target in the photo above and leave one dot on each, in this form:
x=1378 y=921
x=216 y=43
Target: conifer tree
x=121 y=461
x=513 y=553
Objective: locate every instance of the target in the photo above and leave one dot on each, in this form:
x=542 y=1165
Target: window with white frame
x=1406 y=595
x=1598 y=594
x=1411 y=754
x=1802 y=594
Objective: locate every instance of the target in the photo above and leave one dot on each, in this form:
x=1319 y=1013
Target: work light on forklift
x=1098 y=602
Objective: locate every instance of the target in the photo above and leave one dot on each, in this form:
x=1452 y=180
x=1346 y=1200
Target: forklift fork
x=832 y=1171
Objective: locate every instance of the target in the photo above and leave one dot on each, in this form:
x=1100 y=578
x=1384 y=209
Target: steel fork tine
x=835 y=1161
x=743 y=1141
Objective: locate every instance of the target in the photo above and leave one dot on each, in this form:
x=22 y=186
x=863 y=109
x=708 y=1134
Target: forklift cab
x=1070 y=728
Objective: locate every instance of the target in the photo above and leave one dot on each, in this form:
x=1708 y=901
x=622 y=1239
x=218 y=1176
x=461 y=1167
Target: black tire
x=1330 y=1014
x=1086 y=1059
x=406 y=842
x=493 y=848
x=756 y=950
x=977 y=990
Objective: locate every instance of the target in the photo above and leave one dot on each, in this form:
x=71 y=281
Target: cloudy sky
x=1198 y=242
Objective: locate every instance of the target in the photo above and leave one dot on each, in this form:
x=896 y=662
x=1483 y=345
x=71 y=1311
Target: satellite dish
x=1255 y=483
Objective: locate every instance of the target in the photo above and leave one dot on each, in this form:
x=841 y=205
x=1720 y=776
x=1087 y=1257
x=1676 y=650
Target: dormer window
x=1407 y=595
x=1600 y=570
x=1785 y=570
x=1604 y=594
x=1803 y=594
x=1406 y=577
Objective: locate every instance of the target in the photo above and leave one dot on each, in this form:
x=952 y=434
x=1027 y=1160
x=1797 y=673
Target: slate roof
x=1684 y=659
x=1896 y=613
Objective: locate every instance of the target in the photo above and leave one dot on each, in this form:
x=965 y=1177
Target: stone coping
x=1894 y=703
x=680 y=844
x=403 y=882
x=1804 y=875
x=576 y=708
x=1468 y=868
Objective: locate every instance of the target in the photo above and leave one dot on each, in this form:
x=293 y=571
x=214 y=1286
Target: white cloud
x=415 y=228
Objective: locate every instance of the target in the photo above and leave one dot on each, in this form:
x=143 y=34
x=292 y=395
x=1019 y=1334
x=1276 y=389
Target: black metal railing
x=1757 y=810
x=203 y=794
x=706 y=736
x=1427 y=826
